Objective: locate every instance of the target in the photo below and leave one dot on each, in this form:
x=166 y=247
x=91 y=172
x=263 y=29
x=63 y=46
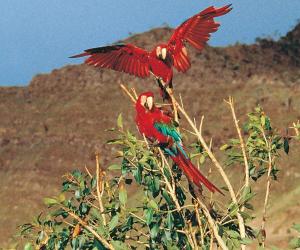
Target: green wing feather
x=168 y=130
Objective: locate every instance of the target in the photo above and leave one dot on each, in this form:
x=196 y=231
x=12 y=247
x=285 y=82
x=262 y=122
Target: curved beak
x=149 y=102
x=164 y=53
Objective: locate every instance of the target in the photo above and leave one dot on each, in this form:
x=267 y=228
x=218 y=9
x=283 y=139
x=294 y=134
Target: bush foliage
x=149 y=204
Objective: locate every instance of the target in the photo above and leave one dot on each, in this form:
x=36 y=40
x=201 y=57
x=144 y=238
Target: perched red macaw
x=159 y=128
x=160 y=61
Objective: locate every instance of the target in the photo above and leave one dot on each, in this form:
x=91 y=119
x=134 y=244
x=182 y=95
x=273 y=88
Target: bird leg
x=167 y=94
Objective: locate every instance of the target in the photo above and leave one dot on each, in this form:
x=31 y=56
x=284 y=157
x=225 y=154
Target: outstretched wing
x=196 y=30
x=125 y=58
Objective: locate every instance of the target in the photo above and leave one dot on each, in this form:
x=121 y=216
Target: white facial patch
x=143 y=100
x=158 y=51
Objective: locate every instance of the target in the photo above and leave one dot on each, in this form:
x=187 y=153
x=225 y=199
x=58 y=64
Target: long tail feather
x=193 y=174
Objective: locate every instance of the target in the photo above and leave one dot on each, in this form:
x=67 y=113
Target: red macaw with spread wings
x=160 y=61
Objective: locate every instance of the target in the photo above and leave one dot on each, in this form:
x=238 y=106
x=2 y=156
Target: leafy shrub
x=164 y=211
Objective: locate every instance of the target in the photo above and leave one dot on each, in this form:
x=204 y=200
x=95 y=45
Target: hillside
x=56 y=123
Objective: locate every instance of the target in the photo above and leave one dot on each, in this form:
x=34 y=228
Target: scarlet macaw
x=159 y=128
x=160 y=61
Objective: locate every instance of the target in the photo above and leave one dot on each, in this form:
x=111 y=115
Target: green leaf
x=296 y=227
x=247 y=195
x=77 y=194
x=114 y=222
x=123 y=195
x=137 y=174
x=120 y=121
x=28 y=246
x=294 y=243
x=263 y=120
x=233 y=234
x=83 y=208
x=167 y=198
x=59 y=212
x=154 y=230
x=114 y=167
x=233 y=207
x=153 y=205
x=225 y=147
x=202 y=159
x=50 y=201
x=148 y=214
x=119 y=245
x=286 y=145
x=170 y=220
x=61 y=197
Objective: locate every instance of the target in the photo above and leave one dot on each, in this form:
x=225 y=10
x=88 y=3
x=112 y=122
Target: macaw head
x=145 y=102
x=161 y=52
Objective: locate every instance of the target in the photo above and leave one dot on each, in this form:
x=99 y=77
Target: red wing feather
x=196 y=30
x=126 y=58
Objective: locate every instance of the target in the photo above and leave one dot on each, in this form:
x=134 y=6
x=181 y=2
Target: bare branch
x=230 y=102
x=99 y=179
x=128 y=93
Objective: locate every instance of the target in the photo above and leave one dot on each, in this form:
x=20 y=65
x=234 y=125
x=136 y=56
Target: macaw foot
x=166 y=92
x=163 y=89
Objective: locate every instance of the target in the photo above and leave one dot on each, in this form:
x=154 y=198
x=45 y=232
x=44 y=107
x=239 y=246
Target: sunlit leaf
x=28 y=246
x=114 y=222
x=122 y=195
x=120 y=121
x=50 y=201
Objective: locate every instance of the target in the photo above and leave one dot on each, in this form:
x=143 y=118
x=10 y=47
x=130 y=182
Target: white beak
x=164 y=53
x=150 y=102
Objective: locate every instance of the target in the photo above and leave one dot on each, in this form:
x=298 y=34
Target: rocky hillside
x=56 y=123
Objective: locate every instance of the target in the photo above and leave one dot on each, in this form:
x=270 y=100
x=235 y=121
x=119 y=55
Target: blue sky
x=37 y=36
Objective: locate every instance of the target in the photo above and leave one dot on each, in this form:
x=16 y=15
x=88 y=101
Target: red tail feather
x=193 y=174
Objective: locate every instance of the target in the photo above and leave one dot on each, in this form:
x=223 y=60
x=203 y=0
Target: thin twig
x=295 y=127
x=200 y=226
x=201 y=124
x=134 y=93
x=212 y=225
x=264 y=217
x=88 y=172
x=100 y=193
x=230 y=102
x=170 y=92
x=128 y=93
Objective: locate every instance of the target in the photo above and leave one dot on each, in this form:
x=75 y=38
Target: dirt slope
x=57 y=122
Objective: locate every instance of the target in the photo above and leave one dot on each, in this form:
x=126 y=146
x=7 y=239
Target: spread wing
x=196 y=30
x=125 y=58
